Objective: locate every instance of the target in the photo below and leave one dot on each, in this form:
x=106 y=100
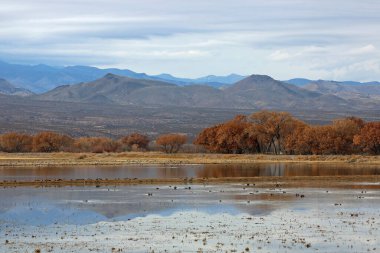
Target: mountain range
x=367 y=91
x=233 y=91
x=303 y=81
x=7 y=88
x=116 y=104
x=253 y=92
x=41 y=78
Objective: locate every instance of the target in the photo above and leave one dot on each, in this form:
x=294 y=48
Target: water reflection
x=85 y=205
x=187 y=171
x=286 y=170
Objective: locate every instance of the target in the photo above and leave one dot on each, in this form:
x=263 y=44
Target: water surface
x=224 y=217
x=233 y=217
x=187 y=171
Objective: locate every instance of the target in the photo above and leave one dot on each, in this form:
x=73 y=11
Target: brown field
x=61 y=159
x=86 y=119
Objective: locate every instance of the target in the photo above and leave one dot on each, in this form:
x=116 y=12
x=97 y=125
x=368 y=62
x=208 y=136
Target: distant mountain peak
x=111 y=76
x=8 y=88
x=165 y=75
x=256 y=81
x=234 y=75
x=259 y=78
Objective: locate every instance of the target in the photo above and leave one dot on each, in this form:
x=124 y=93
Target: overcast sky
x=318 y=39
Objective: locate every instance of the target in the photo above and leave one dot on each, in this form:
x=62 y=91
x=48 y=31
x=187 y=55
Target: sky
x=316 y=39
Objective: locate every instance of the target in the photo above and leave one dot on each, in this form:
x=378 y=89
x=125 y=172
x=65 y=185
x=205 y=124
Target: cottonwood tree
x=136 y=140
x=16 y=142
x=281 y=133
x=234 y=136
x=323 y=140
x=208 y=139
x=300 y=141
x=171 y=143
x=51 y=142
x=272 y=128
x=345 y=130
x=96 y=145
x=369 y=138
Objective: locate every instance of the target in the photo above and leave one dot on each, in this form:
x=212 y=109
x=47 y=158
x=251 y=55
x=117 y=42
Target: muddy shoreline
x=319 y=181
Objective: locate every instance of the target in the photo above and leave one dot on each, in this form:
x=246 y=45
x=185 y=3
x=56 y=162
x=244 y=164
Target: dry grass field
x=61 y=159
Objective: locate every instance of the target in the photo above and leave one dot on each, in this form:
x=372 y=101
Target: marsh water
x=90 y=204
x=190 y=217
x=187 y=171
x=212 y=218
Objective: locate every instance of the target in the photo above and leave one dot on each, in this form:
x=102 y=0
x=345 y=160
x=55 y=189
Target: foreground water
x=223 y=217
x=187 y=171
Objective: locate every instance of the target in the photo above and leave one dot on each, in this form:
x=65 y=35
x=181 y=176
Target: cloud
x=282 y=38
x=365 y=71
x=176 y=54
x=299 y=52
x=363 y=50
x=279 y=55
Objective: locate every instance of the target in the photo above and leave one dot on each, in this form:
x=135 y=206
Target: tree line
x=260 y=132
x=281 y=133
x=55 y=142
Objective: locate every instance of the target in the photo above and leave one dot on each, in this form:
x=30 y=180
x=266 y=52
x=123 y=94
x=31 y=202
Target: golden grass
x=61 y=158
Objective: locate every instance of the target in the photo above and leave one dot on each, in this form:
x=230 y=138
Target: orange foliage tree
x=136 y=141
x=272 y=128
x=324 y=140
x=235 y=136
x=345 y=130
x=171 y=143
x=300 y=141
x=16 y=142
x=261 y=132
x=51 y=142
x=369 y=138
x=279 y=132
x=96 y=145
x=208 y=139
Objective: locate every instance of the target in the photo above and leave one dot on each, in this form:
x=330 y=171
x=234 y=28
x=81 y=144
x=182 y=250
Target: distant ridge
x=299 y=81
x=363 y=91
x=9 y=89
x=41 y=78
x=253 y=92
x=303 y=82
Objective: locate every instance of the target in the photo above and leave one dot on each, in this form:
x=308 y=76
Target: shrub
x=96 y=145
x=136 y=141
x=16 y=142
x=51 y=142
x=369 y=138
x=171 y=143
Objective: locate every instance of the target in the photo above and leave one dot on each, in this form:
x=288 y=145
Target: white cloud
x=364 y=71
x=363 y=50
x=177 y=54
x=279 y=55
x=282 y=38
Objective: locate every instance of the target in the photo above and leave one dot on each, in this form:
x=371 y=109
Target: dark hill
x=9 y=89
x=261 y=91
x=253 y=92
